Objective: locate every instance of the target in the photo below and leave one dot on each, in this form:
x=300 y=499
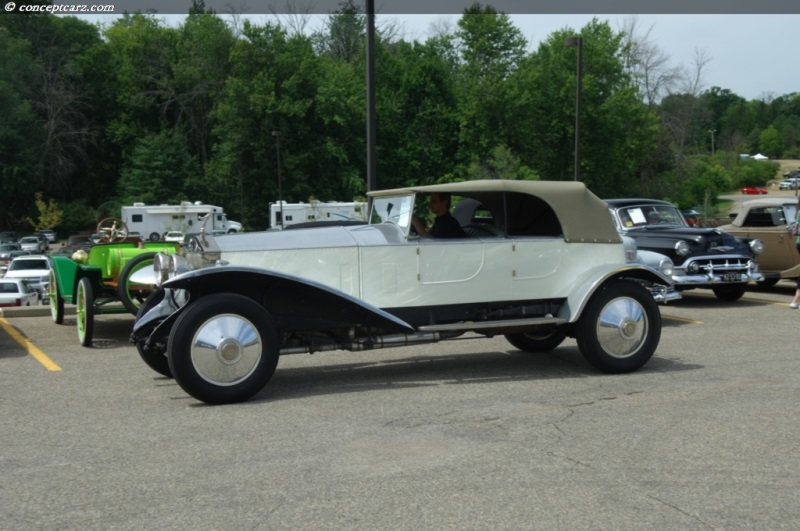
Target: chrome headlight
x=178 y=265
x=682 y=248
x=666 y=267
x=757 y=246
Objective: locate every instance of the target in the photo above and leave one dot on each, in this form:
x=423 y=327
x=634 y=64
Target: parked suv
x=35 y=269
x=703 y=257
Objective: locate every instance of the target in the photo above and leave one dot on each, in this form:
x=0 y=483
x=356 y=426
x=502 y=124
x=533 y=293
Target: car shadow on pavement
x=449 y=369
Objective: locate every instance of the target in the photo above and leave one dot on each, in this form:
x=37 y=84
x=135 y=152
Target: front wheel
x=85 y=312
x=620 y=328
x=223 y=348
x=537 y=342
x=768 y=282
x=56 y=300
x=730 y=292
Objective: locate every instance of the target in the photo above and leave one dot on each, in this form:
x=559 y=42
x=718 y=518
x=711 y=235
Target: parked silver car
x=540 y=261
x=32 y=244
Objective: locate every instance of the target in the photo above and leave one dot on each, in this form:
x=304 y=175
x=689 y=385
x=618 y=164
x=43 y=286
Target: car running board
x=484 y=325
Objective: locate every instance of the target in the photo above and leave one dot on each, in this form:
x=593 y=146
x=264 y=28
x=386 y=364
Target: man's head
x=439 y=203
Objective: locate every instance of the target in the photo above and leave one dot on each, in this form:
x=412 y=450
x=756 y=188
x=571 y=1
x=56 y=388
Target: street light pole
x=372 y=159
x=712 y=131
x=577 y=42
x=277 y=135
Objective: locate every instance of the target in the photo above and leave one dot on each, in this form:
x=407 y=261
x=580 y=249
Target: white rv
x=153 y=221
x=283 y=214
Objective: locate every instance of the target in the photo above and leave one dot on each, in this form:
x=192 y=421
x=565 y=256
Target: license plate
x=731 y=277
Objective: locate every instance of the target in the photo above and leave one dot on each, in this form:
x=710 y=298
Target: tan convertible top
x=584 y=217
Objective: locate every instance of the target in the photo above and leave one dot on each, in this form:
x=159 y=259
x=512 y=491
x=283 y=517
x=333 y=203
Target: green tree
x=19 y=133
x=50 y=214
x=770 y=143
x=159 y=169
x=490 y=49
x=618 y=131
x=344 y=34
x=417 y=114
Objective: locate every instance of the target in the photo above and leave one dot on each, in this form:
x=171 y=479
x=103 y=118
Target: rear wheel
x=223 y=348
x=537 y=342
x=154 y=236
x=620 y=327
x=730 y=292
x=85 y=312
x=133 y=295
x=56 y=300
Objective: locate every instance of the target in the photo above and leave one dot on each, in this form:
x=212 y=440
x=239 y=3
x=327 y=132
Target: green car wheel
x=133 y=295
x=85 y=312
x=56 y=300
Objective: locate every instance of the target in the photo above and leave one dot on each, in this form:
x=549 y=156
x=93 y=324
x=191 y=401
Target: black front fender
x=296 y=303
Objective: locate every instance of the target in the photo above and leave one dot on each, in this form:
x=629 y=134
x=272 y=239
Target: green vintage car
x=99 y=281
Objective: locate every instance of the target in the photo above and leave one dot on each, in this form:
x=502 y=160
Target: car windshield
x=33 y=263
x=29 y=239
x=393 y=209
x=649 y=215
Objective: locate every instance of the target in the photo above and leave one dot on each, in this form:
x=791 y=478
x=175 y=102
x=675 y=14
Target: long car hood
x=702 y=240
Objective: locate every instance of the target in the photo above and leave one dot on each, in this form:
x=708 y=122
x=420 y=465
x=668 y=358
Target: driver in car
x=445 y=225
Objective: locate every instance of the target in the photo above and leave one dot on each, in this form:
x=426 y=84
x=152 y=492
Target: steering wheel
x=112 y=230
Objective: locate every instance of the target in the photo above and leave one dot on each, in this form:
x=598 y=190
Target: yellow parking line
x=40 y=356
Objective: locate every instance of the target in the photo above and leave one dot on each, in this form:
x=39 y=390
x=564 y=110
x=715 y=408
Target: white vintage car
x=540 y=261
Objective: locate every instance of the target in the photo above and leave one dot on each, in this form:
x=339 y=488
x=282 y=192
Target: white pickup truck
x=15 y=292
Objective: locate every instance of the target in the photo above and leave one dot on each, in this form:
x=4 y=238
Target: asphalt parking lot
x=465 y=434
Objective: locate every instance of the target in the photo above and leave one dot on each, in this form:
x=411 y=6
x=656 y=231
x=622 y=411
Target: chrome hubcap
x=622 y=327
x=226 y=349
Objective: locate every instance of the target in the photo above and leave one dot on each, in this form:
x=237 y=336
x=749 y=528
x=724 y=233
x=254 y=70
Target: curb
x=32 y=311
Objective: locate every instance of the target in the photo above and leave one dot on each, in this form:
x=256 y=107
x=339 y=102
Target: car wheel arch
x=585 y=289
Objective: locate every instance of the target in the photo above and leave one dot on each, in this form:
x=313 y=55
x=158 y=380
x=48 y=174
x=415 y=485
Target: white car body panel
x=376 y=265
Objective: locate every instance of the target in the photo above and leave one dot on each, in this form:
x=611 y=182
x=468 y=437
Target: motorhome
x=283 y=214
x=153 y=221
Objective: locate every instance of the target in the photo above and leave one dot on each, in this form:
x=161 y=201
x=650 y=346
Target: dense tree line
x=95 y=117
